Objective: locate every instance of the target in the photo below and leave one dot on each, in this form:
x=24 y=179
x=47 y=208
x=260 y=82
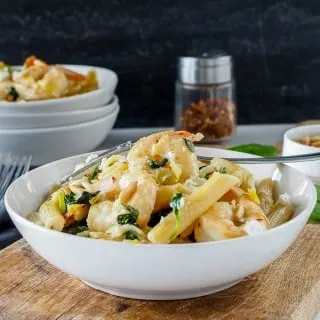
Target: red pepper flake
x=214 y=118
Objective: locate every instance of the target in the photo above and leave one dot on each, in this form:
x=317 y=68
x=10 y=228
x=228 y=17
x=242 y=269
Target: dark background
x=275 y=45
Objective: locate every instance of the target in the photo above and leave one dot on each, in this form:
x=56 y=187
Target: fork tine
x=1 y=162
x=23 y=167
x=17 y=168
x=6 y=174
x=27 y=164
x=6 y=167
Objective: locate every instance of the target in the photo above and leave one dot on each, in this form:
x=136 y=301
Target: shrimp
x=216 y=224
x=246 y=178
x=180 y=163
x=140 y=194
x=101 y=216
x=225 y=221
x=41 y=82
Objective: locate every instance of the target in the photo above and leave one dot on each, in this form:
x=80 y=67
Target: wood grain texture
x=30 y=288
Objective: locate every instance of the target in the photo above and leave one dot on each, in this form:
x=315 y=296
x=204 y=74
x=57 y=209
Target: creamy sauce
x=253 y=227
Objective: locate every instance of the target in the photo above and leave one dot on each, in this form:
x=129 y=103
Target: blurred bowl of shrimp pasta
x=41 y=104
x=156 y=222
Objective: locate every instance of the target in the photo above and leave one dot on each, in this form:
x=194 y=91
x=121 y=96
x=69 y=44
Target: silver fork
x=127 y=145
x=11 y=168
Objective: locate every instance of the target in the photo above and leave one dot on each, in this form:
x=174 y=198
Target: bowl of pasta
x=37 y=86
x=157 y=222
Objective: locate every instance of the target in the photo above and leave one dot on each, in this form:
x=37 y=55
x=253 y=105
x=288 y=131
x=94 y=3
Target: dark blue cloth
x=8 y=232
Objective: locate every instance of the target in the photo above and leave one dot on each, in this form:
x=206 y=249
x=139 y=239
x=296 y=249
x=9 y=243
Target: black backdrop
x=275 y=45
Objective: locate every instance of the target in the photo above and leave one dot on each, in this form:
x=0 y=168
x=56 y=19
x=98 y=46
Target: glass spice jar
x=205 y=96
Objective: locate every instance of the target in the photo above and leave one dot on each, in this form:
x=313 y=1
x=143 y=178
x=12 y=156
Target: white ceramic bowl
x=49 y=144
x=158 y=272
x=108 y=81
x=44 y=120
x=291 y=147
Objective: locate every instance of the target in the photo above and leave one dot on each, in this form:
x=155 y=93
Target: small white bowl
x=159 y=272
x=107 y=79
x=44 y=120
x=49 y=144
x=291 y=147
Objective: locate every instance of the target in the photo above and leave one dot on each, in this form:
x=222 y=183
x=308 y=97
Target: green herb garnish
x=256 y=149
x=176 y=204
x=69 y=198
x=12 y=95
x=128 y=218
x=130 y=235
x=189 y=144
x=83 y=199
x=93 y=174
x=77 y=227
x=223 y=170
x=315 y=215
x=156 y=217
x=153 y=164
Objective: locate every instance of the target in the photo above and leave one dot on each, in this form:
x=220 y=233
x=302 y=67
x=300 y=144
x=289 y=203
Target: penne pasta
x=280 y=213
x=51 y=216
x=265 y=190
x=165 y=194
x=194 y=206
x=160 y=193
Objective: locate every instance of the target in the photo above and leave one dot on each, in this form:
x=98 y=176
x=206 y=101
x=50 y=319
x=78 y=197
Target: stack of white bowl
x=58 y=128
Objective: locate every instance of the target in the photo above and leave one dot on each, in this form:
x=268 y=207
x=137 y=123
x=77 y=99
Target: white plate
x=107 y=79
x=49 y=144
x=45 y=120
x=158 y=272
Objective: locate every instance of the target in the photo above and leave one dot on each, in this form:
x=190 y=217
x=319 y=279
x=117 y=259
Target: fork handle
x=284 y=159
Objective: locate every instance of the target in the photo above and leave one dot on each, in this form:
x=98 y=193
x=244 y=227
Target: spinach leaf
x=77 y=227
x=256 y=149
x=12 y=95
x=176 y=203
x=189 y=144
x=223 y=170
x=128 y=218
x=315 y=215
x=153 y=164
x=85 y=197
x=207 y=176
x=130 y=235
x=69 y=198
x=156 y=217
x=94 y=174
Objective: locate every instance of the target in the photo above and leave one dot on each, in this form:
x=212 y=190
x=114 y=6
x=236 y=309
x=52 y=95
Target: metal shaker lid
x=211 y=68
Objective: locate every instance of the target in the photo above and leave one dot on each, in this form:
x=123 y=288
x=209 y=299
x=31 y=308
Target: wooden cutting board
x=30 y=288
